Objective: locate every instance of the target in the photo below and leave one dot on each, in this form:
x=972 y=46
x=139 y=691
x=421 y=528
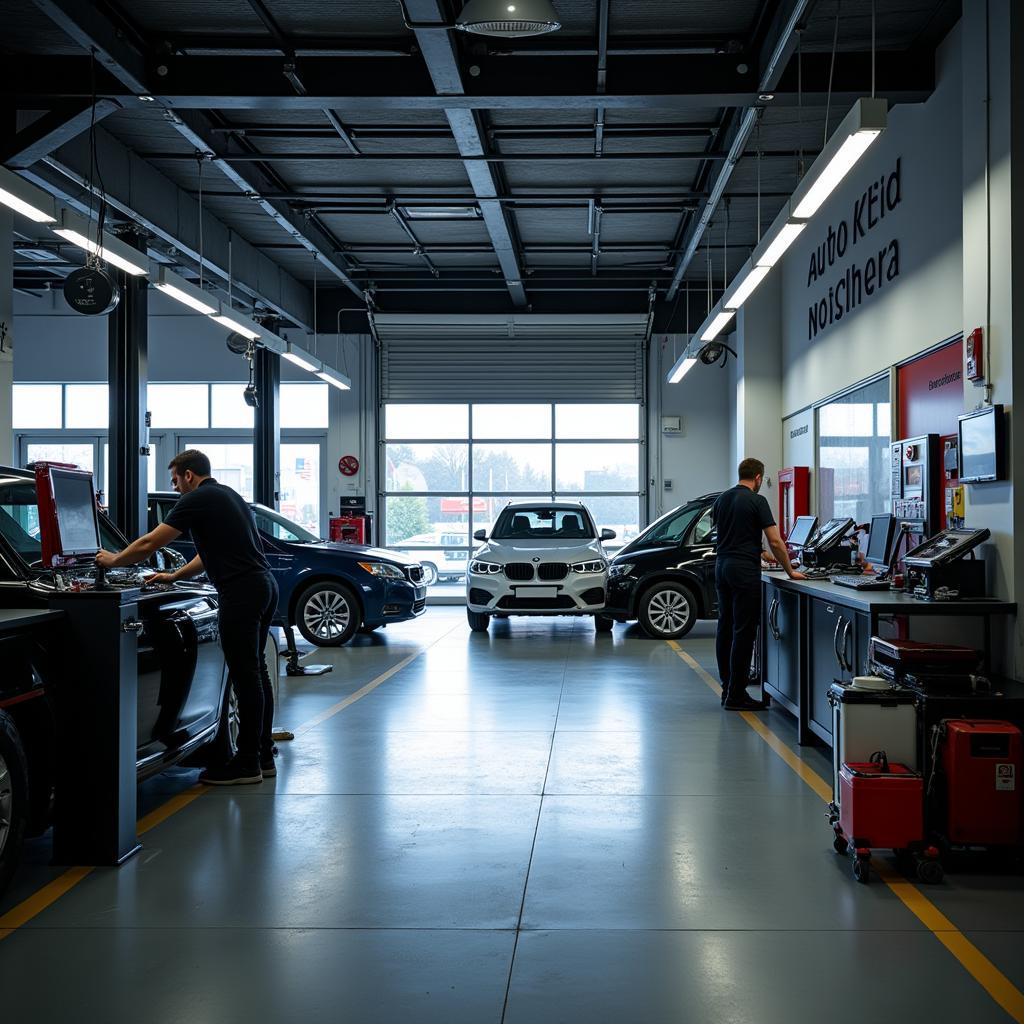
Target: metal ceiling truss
x=51 y=131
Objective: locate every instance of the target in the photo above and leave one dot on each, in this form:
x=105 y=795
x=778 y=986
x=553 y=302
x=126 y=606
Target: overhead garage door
x=517 y=358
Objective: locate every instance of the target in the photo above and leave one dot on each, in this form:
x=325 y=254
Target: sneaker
x=267 y=767
x=236 y=772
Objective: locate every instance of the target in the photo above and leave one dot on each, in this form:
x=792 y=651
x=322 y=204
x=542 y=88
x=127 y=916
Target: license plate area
x=536 y=592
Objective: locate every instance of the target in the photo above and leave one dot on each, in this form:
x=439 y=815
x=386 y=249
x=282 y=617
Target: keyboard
x=861 y=582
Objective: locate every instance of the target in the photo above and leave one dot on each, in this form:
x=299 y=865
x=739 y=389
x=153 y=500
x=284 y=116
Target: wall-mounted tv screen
x=980 y=446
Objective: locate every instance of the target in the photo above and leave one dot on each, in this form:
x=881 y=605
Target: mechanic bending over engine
x=230 y=552
x=741 y=515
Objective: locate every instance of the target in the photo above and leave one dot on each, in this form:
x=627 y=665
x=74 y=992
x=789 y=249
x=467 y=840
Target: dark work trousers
x=739 y=615
x=247 y=607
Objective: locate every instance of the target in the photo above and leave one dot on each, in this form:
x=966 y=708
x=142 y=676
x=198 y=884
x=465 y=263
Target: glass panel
x=621 y=514
x=78 y=453
x=511 y=467
x=304 y=406
x=427 y=467
x=178 y=405
x=511 y=421
x=543 y=523
x=228 y=408
x=281 y=527
x=37 y=407
x=487 y=510
x=434 y=526
x=231 y=464
x=426 y=421
x=671 y=527
x=597 y=467
x=593 y=422
x=86 y=406
x=704 y=529
x=300 y=484
x=853 y=453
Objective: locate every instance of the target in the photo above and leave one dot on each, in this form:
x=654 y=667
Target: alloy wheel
x=326 y=615
x=6 y=803
x=668 y=611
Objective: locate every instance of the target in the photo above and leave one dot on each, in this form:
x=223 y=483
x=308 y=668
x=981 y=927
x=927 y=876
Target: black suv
x=187 y=708
x=665 y=578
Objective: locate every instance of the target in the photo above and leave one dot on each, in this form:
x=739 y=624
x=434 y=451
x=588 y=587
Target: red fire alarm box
x=794 y=496
x=350 y=529
x=974 y=345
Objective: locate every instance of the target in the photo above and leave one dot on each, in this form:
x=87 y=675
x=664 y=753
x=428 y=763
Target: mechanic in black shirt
x=230 y=552
x=741 y=515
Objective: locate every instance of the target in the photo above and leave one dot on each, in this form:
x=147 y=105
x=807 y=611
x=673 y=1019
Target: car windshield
x=280 y=528
x=671 y=527
x=19 y=522
x=543 y=524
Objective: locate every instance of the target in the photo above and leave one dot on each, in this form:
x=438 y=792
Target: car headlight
x=484 y=568
x=598 y=565
x=622 y=569
x=385 y=569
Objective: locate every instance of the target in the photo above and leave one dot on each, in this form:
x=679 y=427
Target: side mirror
x=608 y=534
x=479 y=535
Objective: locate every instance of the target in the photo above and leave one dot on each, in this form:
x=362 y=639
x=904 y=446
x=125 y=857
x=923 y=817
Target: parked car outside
x=665 y=578
x=329 y=590
x=443 y=554
x=541 y=558
x=186 y=706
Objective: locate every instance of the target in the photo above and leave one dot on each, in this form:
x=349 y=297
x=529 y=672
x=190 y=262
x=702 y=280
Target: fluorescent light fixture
x=24 y=198
x=301 y=358
x=682 y=368
x=179 y=289
x=440 y=212
x=105 y=252
x=745 y=288
x=247 y=330
x=335 y=379
x=861 y=126
x=780 y=243
x=715 y=327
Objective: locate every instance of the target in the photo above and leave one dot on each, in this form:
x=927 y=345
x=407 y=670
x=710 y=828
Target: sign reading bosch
x=864 y=276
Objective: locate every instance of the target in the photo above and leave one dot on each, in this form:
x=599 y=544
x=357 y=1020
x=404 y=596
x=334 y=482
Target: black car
x=665 y=578
x=186 y=708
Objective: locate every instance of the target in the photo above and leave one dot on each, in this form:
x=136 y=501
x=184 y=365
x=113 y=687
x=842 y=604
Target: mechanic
x=231 y=554
x=741 y=515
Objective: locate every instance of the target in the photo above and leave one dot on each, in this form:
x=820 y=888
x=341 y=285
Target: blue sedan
x=328 y=590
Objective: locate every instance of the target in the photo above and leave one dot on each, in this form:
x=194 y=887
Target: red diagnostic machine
x=69 y=530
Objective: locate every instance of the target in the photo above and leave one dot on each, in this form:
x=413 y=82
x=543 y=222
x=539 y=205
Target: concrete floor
x=540 y=824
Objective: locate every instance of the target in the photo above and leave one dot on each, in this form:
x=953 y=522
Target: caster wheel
x=840 y=845
x=862 y=870
x=930 y=872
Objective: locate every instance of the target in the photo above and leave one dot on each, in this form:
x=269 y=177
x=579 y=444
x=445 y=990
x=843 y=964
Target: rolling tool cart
x=882 y=805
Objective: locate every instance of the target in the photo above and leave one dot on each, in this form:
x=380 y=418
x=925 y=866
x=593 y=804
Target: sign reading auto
x=875 y=263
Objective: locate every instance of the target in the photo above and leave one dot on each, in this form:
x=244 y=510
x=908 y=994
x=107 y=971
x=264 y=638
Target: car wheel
x=603 y=623
x=14 y=809
x=478 y=621
x=430 y=574
x=327 y=614
x=668 y=611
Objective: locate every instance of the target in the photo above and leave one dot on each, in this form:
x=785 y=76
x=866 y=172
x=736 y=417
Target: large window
x=449 y=470
x=853 y=453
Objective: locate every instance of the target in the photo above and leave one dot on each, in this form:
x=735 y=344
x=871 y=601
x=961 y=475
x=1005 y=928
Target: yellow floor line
x=991 y=979
x=51 y=892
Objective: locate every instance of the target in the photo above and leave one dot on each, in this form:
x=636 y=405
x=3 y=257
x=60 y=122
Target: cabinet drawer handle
x=847 y=663
x=835 y=643
x=135 y=626
x=773 y=624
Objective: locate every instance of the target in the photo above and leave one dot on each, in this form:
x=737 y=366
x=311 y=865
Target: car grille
x=418 y=606
x=553 y=571
x=537 y=603
x=415 y=573
x=519 y=571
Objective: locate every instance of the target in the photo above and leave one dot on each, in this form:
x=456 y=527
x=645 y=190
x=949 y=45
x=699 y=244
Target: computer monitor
x=803 y=530
x=883 y=529
x=981 y=446
x=68 y=520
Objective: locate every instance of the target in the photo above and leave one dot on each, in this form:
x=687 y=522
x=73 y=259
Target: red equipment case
x=879 y=808
x=350 y=529
x=982 y=763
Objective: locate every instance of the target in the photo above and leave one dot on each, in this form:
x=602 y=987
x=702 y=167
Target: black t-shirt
x=223 y=530
x=740 y=516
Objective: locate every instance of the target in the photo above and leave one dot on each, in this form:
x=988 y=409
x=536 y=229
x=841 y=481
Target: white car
x=541 y=558
x=442 y=555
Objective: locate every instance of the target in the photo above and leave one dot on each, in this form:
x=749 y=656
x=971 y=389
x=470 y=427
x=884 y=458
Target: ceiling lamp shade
x=511 y=19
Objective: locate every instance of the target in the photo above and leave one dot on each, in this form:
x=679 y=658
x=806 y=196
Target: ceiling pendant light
x=511 y=19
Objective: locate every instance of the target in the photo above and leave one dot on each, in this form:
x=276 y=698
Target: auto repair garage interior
x=393 y=266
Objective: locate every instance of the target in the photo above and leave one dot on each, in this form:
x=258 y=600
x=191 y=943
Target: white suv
x=540 y=559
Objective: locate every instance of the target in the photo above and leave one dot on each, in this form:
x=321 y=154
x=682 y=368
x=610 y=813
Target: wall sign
x=348 y=465
x=875 y=264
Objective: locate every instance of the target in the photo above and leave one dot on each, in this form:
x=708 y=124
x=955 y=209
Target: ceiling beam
x=441 y=57
x=53 y=130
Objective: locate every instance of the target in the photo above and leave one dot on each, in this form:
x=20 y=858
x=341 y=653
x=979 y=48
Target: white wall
x=923 y=305
x=700 y=459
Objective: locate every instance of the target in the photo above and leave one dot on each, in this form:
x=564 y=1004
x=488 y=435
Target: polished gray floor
x=539 y=824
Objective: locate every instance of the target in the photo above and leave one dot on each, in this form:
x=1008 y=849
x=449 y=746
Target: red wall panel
x=931 y=393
